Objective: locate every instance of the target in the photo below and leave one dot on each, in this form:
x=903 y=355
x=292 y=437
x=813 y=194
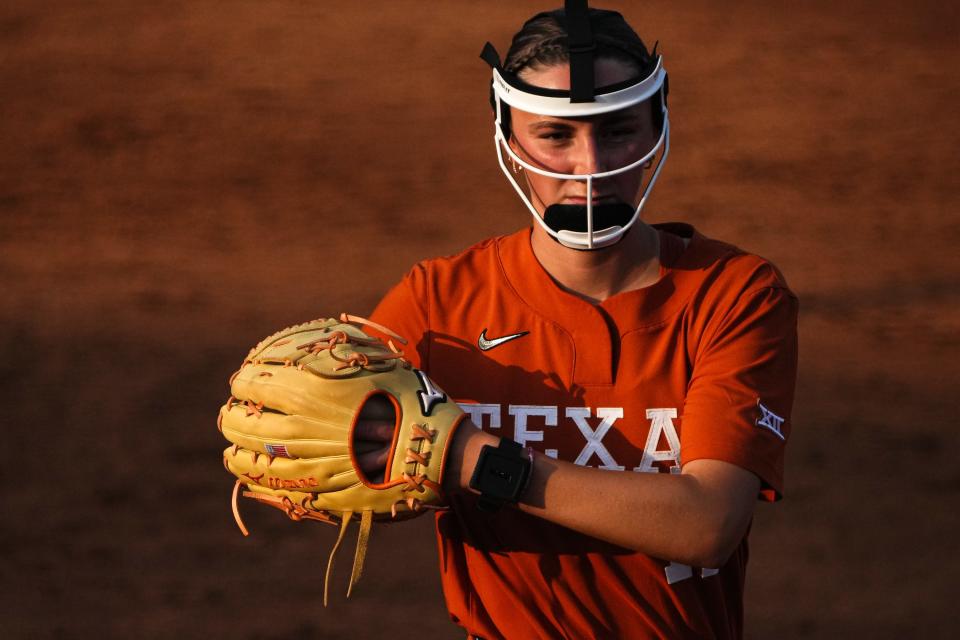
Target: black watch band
x=502 y=474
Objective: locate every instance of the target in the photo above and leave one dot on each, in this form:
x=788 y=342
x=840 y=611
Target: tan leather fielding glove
x=294 y=404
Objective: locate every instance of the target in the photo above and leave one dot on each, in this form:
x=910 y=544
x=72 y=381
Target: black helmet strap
x=582 y=47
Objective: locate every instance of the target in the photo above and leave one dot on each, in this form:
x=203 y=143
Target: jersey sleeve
x=741 y=390
x=405 y=310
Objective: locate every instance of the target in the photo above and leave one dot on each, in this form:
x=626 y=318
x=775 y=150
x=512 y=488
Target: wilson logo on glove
x=294 y=405
x=298 y=483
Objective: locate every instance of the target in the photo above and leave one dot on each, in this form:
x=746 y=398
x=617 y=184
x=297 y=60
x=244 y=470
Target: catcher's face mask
x=591 y=154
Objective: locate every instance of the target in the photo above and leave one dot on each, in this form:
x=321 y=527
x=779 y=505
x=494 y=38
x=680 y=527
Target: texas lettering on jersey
x=594 y=453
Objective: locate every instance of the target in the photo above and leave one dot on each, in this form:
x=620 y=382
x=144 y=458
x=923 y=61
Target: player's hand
x=372 y=437
x=374 y=434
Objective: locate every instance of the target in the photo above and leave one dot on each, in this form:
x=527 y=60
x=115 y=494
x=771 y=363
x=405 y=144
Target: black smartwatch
x=502 y=474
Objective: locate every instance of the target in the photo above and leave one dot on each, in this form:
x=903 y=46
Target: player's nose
x=587 y=154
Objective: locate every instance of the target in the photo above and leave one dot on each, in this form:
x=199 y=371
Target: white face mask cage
x=505 y=93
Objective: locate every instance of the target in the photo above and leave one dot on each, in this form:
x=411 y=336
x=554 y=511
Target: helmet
x=592 y=225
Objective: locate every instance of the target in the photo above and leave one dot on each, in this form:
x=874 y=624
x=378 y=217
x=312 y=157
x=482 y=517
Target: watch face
x=499 y=476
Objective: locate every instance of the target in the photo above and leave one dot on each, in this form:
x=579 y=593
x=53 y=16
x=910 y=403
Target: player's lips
x=582 y=200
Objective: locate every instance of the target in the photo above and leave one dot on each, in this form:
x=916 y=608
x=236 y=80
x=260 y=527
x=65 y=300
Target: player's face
x=583 y=145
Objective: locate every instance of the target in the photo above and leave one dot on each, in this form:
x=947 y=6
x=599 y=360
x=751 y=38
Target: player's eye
x=621 y=133
x=554 y=135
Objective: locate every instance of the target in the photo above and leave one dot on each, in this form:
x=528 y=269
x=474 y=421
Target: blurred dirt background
x=178 y=179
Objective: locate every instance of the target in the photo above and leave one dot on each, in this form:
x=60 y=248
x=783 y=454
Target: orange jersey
x=701 y=364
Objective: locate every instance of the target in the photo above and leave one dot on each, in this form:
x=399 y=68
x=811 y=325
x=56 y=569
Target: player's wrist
x=462 y=457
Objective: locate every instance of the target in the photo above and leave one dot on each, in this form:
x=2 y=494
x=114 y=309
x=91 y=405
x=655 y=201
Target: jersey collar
x=589 y=325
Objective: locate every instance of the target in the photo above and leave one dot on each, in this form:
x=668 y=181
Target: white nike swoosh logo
x=486 y=345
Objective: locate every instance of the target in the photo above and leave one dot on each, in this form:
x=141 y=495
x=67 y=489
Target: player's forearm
x=664 y=515
x=674 y=517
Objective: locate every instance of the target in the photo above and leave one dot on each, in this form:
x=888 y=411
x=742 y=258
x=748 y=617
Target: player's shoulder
x=475 y=263
x=722 y=267
x=476 y=254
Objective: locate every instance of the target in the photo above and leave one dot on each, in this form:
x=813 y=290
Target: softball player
x=630 y=384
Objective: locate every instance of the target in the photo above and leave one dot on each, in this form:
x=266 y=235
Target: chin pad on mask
x=573 y=217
